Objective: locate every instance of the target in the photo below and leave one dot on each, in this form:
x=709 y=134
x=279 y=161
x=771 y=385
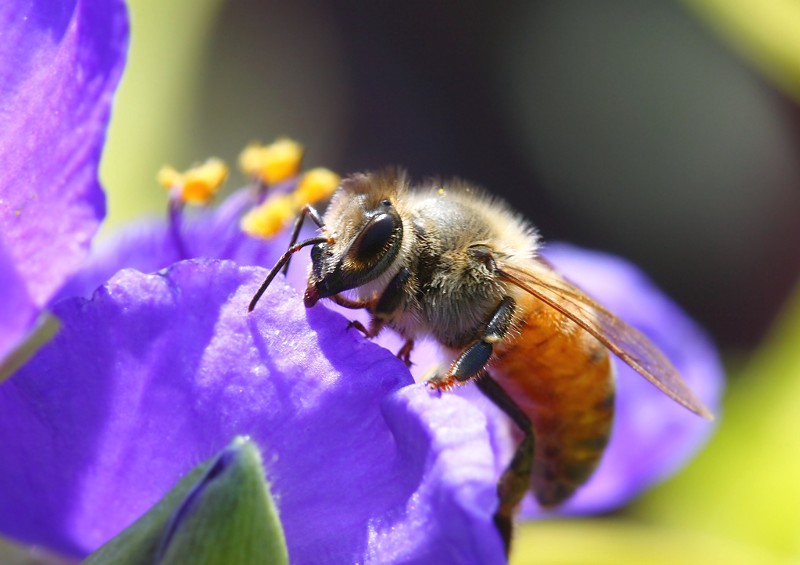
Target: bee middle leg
x=471 y=365
x=472 y=361
x=380 y=309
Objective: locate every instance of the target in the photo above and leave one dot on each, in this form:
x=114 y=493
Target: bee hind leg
x=515 y=480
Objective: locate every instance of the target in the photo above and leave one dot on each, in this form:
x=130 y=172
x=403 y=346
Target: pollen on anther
x=272 y=163
x=315 y=185
x=270 y=217
x=197 y=185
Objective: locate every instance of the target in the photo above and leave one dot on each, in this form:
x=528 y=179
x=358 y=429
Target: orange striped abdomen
x=561 y=377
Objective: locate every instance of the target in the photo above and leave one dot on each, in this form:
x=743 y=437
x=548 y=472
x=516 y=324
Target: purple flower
x=157 y=372
x=150 y=245
x=153 y=373
x=59 y=66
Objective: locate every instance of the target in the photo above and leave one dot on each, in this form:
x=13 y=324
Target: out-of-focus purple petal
x=149 y=245
x=158 y=372
x=60 y=62
x=17 y=310
x=653 y=436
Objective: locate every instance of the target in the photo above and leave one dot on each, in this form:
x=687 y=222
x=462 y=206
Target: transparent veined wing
x=623 y=340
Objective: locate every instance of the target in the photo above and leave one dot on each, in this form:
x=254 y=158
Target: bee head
x=367 y=234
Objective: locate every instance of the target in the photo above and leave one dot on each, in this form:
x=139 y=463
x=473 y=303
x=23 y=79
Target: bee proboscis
x=450 y=262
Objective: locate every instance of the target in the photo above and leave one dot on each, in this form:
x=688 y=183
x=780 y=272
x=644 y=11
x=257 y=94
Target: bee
x=452 y=263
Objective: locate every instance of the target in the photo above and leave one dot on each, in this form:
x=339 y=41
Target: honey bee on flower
x=452 y=263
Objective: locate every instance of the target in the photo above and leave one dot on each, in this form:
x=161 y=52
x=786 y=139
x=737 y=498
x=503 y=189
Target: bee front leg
x=375 y=325
x=515 y=480
x=404 y=354
x=472 y=361
x=381 y=308
x=391 y=301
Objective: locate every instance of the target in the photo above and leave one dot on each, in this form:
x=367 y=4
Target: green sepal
x=222 y=512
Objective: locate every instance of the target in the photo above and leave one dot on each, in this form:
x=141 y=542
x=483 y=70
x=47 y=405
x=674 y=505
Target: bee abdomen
x=564 y=383
x=566 y=461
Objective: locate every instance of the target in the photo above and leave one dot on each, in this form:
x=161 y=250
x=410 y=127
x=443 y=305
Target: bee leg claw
x=360 y=327
x=439 y=382
x=404 y=354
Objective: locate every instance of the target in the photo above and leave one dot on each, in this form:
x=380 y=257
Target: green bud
x=221 y=513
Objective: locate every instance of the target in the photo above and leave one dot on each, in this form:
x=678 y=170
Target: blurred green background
x=667 y=132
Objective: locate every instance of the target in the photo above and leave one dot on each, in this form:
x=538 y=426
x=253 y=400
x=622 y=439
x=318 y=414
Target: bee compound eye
x=374 y=238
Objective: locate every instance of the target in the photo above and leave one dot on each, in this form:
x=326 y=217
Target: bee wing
x=624 y=341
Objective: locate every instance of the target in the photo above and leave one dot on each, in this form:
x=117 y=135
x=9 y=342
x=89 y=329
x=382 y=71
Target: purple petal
x=60 y=62
x=149 y=245
x=653 y=436
x=158 y=372
x=17 y=310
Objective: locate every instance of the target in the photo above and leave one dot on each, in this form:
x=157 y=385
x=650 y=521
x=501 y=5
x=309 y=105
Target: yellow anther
x=168 y=177
x=270 y=217
x=278 y=211
x=250 y=159
x=272 y=163
x=197 y=185
x=317 y=184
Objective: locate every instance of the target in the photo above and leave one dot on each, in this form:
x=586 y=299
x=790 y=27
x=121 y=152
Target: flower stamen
x=197 y=185
x=278 y=211
x=271 y=164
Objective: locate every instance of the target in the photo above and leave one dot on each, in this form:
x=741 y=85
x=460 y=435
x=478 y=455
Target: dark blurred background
x=623 y=125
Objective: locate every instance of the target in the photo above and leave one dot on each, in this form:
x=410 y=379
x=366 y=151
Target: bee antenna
x=281 y=262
